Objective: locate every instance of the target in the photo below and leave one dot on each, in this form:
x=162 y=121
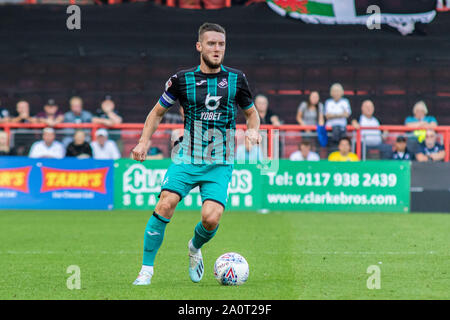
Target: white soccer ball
x=231 y=269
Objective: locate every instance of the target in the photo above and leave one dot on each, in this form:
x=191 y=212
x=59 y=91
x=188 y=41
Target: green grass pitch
x=292 y=255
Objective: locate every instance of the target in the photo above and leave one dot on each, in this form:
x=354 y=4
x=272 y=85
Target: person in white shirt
x=47 y=147
x=371 y=137
x=304 y=153
x=102 y=148
x=337 y=110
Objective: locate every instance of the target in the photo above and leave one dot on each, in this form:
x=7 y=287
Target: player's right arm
x=154 y=118
x=167 y=100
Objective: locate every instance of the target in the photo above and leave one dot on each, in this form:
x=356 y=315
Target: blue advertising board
x=56 y=183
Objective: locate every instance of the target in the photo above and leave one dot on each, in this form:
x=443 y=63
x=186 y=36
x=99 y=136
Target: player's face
x=212 y=48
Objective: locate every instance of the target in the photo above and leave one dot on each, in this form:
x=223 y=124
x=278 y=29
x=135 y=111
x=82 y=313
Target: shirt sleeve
x=171 y=92
x=244 y=96
x=347 y=107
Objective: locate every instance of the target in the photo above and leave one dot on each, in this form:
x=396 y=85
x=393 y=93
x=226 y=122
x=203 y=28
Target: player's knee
x=211 y=220
x=165 y=207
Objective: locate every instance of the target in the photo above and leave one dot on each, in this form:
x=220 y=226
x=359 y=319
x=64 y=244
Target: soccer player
x=208 y=94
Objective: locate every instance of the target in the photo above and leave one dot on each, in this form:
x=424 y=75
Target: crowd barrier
x=394 y=130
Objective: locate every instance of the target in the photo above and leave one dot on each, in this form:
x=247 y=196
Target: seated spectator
x=371 y=137
x=102 y=148
x=266 y=115
x=311 y=112
x=430 y=150
x=343 y=153
x=400 y=150
x=48 y=147
x=23 y=113
x=76 y=113
x=420 y=118
x=79 y=147
x=5 y=148
x=4 y=114
x=337 y=110
x=106 y=114
x=304 y=153
x=51 y=115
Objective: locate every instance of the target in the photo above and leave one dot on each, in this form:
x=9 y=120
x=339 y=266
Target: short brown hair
x=207 y=26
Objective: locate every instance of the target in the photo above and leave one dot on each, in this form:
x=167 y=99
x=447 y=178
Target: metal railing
x=443 y=131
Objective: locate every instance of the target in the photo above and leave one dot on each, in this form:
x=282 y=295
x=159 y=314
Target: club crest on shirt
x=223 y=84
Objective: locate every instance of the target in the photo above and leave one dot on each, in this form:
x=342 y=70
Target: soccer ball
x=231 y=269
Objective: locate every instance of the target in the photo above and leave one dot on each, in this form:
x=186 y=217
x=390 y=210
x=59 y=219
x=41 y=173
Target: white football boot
x=196 y=267
x=144 y=279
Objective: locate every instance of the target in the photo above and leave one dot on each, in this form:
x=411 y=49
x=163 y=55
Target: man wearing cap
x=401 y=151
x=102 y=148
x=51 y=115
x=47 y=147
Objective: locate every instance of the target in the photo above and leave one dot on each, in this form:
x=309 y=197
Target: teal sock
x=201 y=235
x=153 y=238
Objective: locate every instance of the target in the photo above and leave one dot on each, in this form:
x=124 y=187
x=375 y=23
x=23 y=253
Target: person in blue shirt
x=430 y=150
x=420 y=118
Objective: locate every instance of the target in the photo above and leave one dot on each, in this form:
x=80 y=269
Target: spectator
x=106 y=114
x=103 y=148
x=304 y=153
x=48 y=147
x=51 y=115
x=76 y=113
x=420 y=118
x=430 y=150
x=343 y=153
x=400 y=150
x=79 y=147
x=311 y=112
x=5 y=148
x=266 y=115
x=371 y=137
x=23 y=113
x=4 y=114
x=337 y=110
